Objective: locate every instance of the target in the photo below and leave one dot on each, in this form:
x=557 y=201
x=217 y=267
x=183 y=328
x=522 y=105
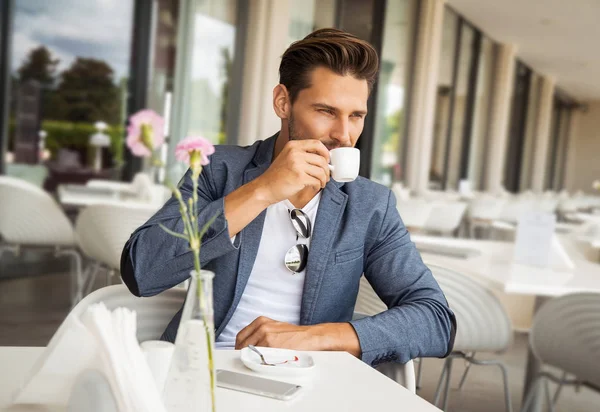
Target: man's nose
x=341 y=133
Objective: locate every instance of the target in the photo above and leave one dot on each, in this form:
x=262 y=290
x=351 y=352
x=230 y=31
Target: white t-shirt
x=272 y=290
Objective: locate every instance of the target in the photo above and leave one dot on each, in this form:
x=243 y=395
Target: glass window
x=302 y=19
x=477 y=149
x=459 y=108
x=443 y=99
x=162 y=74
x=516 y=139
x=307 y=16
x=557 y=148
x=70 y=64
x=560 y=161
x=530 y=128
x=164 y=50
x=462 y=105
x=558 y=182
x=211 y=62
x=395 y=63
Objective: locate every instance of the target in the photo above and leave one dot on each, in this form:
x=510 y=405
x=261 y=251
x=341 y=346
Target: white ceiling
x=559 y=38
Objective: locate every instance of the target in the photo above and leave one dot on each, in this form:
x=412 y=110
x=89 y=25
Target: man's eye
x=357 y=116
x=326 y=111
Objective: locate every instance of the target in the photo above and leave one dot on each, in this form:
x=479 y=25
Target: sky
x=99 y=29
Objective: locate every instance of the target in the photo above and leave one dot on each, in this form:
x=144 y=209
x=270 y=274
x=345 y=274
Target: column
x=571 y=162
x=499 y=117
x=267 y=39
x=422 y=99
x=542 y=134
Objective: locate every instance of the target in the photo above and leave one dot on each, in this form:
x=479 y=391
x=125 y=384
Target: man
x=277 y=194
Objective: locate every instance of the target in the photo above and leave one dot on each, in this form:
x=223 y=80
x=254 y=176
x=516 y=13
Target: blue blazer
x=357 y=231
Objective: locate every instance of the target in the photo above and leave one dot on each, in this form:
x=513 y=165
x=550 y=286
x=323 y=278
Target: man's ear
x=281 y=102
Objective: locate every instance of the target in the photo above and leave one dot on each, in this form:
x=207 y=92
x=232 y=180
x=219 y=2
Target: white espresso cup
x=158 y=354
x=344 y=163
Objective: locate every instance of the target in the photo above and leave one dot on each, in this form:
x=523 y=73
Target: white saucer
x=287 y=362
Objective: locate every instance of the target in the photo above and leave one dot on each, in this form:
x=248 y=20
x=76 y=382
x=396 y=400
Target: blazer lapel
x=251 y=234
x=331 y=208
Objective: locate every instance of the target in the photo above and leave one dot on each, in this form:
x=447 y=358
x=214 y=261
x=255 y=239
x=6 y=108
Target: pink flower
x=192 y=144
x=145 y=132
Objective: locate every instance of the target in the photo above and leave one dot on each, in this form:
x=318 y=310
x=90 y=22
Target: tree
x=39 y=65
x=89 y=93
x=394 y=128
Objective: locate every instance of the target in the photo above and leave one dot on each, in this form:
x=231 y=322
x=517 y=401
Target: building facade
x=453 y=105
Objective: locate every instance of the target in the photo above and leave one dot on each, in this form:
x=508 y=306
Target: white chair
x=566 y=335
x=445 y=217
x=516 y=206
x=414 y=212
x=440 y=195
x=482 y=326
x=102 y=231
x=568 y=206
x=504 y=228
x=590 y=202
x=402 y=193
x=30 y=217
x=153 y=313
x=547 y=204
x=369 y=304
x=482 y=211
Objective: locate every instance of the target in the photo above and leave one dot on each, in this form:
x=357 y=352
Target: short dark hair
x=336 y=50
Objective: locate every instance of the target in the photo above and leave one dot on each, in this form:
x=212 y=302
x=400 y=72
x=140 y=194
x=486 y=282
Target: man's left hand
x=271 y=333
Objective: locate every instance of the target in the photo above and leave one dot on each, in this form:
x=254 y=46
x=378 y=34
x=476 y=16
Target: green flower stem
x=193 y=234
x=194 y=215
x=169 y=231
x=195 y=176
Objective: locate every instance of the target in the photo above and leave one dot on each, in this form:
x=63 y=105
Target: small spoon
x=262 y=358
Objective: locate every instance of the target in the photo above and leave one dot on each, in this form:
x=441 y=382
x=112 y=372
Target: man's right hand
x=301 y=164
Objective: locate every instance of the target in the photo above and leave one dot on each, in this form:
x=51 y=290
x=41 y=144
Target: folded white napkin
x=101 y=340
x=122 y=360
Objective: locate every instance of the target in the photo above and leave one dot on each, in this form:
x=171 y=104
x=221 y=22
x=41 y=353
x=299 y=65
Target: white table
x=493 y=263
x=340 y=383
x=83 y=195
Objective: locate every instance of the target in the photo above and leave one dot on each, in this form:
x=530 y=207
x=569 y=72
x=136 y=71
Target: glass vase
x=191 y=380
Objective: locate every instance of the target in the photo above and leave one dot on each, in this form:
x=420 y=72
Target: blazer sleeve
x=153 y=260
x=418 y=322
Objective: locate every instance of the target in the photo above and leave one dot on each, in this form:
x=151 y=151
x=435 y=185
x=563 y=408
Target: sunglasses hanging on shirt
x=297 y=256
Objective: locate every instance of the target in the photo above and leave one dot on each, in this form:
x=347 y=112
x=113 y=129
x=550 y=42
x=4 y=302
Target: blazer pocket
x=349 y=255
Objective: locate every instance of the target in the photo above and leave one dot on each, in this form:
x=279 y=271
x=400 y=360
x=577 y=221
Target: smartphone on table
x=256 y=385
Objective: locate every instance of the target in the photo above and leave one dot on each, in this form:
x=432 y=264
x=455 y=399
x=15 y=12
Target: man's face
x=331 y=110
